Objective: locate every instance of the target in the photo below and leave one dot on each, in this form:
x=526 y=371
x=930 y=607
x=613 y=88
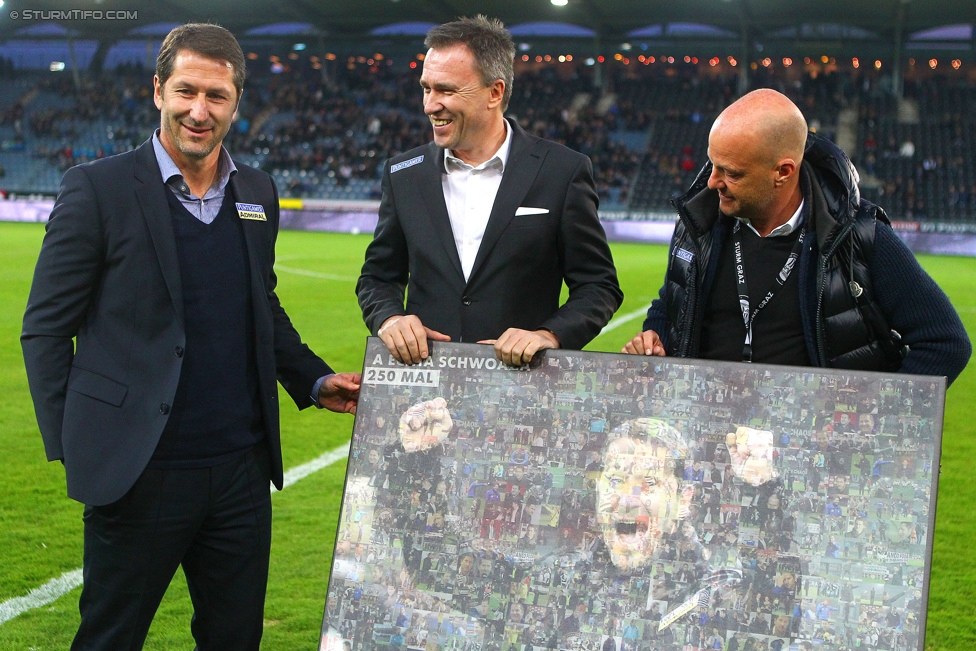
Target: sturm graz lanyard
x=748 y=313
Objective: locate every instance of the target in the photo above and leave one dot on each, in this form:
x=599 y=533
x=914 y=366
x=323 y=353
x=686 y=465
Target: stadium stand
x=645 y=130
x=917 y=154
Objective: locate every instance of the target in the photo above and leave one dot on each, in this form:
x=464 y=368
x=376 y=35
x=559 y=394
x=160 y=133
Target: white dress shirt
x=783 y=229
x=469 y=193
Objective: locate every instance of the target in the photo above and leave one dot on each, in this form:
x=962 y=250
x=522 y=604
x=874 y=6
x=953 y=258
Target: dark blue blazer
x=109 y=278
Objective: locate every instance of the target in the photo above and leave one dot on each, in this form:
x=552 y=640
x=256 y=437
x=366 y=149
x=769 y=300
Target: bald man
x=776 y=259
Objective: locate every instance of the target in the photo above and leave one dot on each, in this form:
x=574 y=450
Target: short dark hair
x=489 y=42
x=205 y=39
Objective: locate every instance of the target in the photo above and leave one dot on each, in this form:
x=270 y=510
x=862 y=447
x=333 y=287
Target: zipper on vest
x=822 y=274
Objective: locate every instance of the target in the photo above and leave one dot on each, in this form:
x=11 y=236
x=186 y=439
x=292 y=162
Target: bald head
x=769 y=121
x=756 y=147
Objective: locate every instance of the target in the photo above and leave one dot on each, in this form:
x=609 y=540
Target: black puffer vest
x=841 y=322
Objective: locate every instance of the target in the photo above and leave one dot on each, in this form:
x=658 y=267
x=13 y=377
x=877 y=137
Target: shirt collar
x=172 y=176
x=500 y=159
x=783 y=229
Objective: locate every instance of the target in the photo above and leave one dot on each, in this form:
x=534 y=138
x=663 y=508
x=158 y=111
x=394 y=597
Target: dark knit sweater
x=215 y=413
x=777 y=329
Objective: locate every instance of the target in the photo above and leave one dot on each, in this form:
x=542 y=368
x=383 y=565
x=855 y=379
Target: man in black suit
x=159 y=262
x=483 y=225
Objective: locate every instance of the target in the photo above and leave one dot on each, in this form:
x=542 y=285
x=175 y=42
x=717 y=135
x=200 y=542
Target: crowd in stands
x=645 y=132
x=923 y=168
x=72 y=124
x=340 y=131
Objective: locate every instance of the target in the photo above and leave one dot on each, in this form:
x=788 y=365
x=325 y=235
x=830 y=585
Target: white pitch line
x=314 y=274
x=57 y=588
x=625 y=318
x=301 y=472
x=42 y=596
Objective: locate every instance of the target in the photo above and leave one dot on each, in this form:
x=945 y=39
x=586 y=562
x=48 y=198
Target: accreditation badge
x=252 y=211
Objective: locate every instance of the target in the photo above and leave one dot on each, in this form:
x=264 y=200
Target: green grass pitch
x=40 y=528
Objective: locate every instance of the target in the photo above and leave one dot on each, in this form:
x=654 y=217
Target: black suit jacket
x=523 y=260
x=108 y=275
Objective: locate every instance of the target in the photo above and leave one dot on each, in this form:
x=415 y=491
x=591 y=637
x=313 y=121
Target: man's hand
x=406 y=338
x=340 y=392
x=645 y=343
x=425 y=425
x=751 y=451
x=516 y=347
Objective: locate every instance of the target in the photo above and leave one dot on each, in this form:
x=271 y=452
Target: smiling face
x=466 y=115
x=865 y=423
x=197 y=105
x=756 y=146
x=741 y=173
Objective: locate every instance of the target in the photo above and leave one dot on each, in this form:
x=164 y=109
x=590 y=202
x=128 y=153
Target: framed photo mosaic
x=605 y=502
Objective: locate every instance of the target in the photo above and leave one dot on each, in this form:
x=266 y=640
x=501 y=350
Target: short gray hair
x=489 y=42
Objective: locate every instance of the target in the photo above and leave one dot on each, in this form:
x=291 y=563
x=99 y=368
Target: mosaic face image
x=609 y=502
x=639 y=499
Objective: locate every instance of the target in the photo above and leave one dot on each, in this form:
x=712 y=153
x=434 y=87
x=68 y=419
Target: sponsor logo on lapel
x=687 y=256
x=405 y=164
x=251 y=211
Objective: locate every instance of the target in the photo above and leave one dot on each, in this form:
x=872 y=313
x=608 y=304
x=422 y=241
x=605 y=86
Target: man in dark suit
x=159 y=262
x=483 y=225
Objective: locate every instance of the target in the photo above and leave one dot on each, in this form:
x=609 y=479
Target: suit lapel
x=524 y=162
x=151 y=193
x=432 y=190
x=254 y=237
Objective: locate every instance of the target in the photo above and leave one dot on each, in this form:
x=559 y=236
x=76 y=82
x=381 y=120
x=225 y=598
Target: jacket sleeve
x=381 y=285
x=657 y=314
x=66 y=278
x=918 y=309
x=657 y=318
x=297 y=367
x=589 y=273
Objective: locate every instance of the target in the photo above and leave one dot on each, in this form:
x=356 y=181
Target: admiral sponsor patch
x=251 y=211
x=405 y=164
x=687 y=256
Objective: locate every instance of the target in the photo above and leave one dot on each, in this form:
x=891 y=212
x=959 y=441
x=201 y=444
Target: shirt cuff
x=315 y=390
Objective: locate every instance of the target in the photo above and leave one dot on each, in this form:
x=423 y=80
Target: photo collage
x=608 y=502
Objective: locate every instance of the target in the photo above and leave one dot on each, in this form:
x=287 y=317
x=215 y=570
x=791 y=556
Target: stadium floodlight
x=559 y=3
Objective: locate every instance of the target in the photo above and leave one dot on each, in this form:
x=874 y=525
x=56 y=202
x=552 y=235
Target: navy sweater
x=216 y=412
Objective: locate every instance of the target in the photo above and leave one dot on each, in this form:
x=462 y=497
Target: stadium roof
x=884 y=20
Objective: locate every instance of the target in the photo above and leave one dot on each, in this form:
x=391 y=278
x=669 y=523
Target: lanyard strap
x=748 y=313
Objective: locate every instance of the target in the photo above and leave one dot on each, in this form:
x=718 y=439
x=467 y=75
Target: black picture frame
x=489 y=507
